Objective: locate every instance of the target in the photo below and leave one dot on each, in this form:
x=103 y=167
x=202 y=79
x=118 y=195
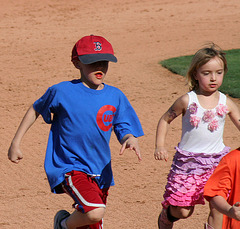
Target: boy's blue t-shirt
x=82 y=121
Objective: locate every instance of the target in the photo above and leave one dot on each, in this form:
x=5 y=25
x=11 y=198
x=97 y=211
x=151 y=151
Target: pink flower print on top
x=208 y=116
x=222 y=110
x=194 y=120
x=213 y=125
x=193 y=108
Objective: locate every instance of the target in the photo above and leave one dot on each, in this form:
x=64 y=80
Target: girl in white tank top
x=202 y=129
x=201 y=148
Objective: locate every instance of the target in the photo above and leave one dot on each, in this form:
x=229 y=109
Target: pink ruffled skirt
x=188 y=175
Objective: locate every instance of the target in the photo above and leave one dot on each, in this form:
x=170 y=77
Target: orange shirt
x=225 y=182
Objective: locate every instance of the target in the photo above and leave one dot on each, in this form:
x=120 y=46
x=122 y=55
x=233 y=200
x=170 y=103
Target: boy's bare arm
x=14 y=152
x=234 y=113
x=225 y=208
x=130 y=142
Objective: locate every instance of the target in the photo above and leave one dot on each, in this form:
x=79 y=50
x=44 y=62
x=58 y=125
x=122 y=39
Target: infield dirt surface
x=36 y=42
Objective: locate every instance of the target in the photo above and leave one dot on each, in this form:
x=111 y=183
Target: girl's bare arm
x=178 y=107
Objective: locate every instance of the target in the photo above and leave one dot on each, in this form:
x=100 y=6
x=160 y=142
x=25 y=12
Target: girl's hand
x=14 y=154
x=130 y=142
x=161 y=154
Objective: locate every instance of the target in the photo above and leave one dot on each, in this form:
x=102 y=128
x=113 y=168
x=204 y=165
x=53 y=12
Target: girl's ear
x=195 y=75
x=77 y=64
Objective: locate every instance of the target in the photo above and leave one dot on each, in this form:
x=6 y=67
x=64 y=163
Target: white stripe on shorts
x=81 y=197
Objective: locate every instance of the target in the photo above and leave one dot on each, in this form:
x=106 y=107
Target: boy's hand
x=14 y=154
x=161 y=154
x=235 y=211
x=130 y=142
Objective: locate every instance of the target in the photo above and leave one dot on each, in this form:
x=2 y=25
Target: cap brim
x=92 y=58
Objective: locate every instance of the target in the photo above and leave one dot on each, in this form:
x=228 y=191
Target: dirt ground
x=36 y=41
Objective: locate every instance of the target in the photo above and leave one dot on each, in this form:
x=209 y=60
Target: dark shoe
x=61 y=215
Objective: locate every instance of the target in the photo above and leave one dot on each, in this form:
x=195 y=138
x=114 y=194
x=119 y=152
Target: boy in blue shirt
x=82 y=114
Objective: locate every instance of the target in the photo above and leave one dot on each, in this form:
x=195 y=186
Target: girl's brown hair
x=200 y=58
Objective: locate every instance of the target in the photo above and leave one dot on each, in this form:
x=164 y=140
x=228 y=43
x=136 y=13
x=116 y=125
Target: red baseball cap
x=91 y=49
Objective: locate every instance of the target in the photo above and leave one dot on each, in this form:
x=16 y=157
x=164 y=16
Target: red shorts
x=86 y=194
x=85 y=191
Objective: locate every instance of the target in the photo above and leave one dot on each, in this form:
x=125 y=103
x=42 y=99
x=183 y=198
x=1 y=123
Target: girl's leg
x=163 y=220
x=171 y=214
x=181 y=212
x=215 y=218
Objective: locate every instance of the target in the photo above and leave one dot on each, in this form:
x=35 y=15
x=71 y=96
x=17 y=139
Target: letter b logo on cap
x=98 y=46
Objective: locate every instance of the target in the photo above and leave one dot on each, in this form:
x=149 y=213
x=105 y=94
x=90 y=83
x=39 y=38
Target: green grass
x=231 y=82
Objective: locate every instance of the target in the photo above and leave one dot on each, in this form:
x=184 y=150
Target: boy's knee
x=96 y=215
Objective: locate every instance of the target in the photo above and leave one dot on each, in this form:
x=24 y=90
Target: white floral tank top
x=202 y=129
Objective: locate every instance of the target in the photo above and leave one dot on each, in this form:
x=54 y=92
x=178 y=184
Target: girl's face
x=92 y=75
x=210 y=75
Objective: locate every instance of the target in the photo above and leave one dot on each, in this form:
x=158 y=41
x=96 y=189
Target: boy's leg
x=90 y=201
x=63 y=220
x=92 y=218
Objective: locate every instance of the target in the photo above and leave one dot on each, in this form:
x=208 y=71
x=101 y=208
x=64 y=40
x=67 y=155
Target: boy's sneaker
x=207 y=226
x=61 y=215
x=163 y=222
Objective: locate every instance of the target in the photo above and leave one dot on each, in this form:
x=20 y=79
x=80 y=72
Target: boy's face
x=92 y=75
